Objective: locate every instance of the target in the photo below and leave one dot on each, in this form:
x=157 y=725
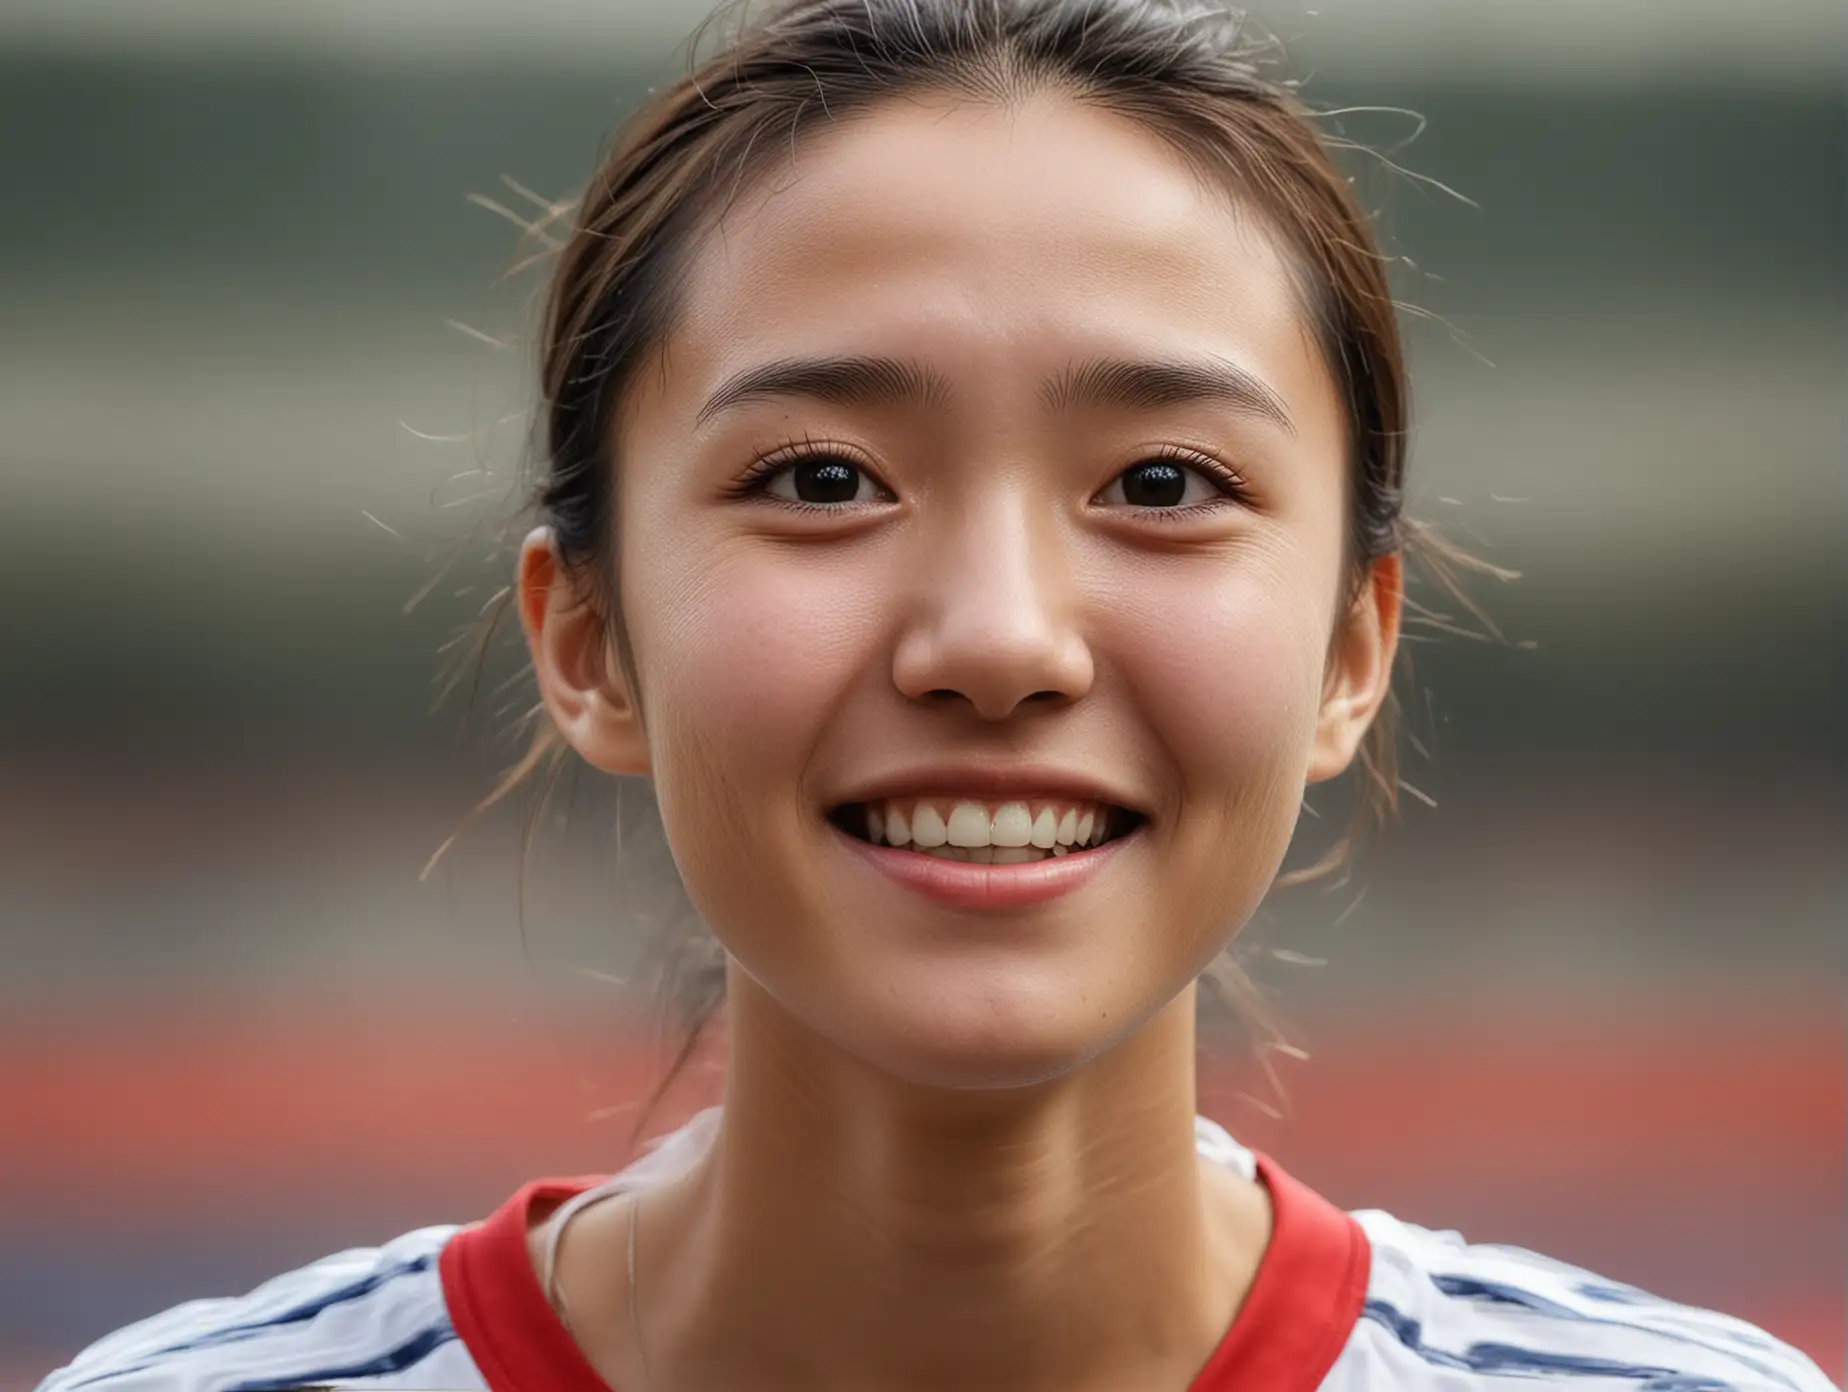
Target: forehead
x=994 y=242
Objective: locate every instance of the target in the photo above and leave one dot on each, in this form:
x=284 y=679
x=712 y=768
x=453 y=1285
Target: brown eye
x=1161 y=483
x=824 y=481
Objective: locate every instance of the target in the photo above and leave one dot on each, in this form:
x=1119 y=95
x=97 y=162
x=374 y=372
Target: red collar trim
x=501 y=1315
x=1306 y=1299
x=1295 y=1321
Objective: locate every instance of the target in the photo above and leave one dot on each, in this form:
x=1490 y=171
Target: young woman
x=975 y=445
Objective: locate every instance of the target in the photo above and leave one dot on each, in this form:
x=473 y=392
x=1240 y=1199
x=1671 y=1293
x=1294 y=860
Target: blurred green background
x=232 y=241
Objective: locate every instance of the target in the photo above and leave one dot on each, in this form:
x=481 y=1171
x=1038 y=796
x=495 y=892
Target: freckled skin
x=781 y=658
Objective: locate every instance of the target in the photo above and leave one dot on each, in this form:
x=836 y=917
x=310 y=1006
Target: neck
x=850 y=1230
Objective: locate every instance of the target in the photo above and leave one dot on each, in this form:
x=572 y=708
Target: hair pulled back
x=1189 y=73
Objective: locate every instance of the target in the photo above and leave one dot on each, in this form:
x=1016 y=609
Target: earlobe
x=1360 y=669
x=584 y=689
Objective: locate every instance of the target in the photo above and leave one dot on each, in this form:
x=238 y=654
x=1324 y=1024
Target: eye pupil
x=1155 y=484
x=826 y=481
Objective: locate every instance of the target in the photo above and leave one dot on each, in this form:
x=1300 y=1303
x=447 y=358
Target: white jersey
x=1341 y=1303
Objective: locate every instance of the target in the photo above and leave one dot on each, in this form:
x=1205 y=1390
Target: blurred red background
x=156 y=1154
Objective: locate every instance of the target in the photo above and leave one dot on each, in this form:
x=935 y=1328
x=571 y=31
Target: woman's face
x=989 y=490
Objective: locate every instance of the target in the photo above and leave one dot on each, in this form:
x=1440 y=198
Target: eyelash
x=1231 y=483
x=756 y=477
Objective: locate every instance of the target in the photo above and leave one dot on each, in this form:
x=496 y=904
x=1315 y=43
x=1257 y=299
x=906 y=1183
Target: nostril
x=943 y=694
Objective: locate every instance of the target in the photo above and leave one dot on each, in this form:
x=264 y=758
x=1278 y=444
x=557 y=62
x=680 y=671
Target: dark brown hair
x=1189 y=73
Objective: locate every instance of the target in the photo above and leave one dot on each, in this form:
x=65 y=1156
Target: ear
x=1360 y=667
x=580 y=680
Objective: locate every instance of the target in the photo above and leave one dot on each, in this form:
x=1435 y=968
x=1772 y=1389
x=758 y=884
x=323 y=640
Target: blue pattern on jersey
x=1472 y=1287
x=1506 y=1358
x=1629 y=1295
x=1615 y=1295
x=403 y=1357
x=296 y=1314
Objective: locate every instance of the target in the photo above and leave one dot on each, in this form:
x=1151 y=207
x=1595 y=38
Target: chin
x=985 y=1031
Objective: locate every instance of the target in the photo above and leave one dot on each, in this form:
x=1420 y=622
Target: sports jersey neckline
x=1297 y=1317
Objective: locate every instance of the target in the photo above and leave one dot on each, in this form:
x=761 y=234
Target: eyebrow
x=842 y=381
x=1150 y=385
x=1134 y=384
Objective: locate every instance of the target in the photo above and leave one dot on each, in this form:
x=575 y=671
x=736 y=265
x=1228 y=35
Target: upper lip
x=991 y=781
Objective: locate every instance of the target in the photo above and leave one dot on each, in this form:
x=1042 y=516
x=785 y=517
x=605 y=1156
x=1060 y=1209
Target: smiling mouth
x=1007 y=832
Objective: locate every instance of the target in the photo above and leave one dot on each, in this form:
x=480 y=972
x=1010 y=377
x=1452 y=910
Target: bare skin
x=957 y=1147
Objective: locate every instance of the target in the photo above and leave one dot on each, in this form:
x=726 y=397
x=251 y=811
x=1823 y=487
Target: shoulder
x=370 y=1317
x=1442 y=1313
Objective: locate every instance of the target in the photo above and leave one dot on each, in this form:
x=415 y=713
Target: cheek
x=744 y=657
x=1225 y=672
x=1225 y=660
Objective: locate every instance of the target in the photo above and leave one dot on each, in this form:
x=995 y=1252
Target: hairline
x=692 y=227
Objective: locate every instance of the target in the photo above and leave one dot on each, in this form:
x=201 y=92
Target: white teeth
x=955 y=829
x=927 y=827
x=991 y=855
x=968 y=824
x=1045 y=829
x=1013 y=826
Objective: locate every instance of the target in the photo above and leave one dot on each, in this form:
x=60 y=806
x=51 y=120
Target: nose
x=997 y=624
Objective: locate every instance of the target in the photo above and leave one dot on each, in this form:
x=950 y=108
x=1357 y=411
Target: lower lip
x=962 y=885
